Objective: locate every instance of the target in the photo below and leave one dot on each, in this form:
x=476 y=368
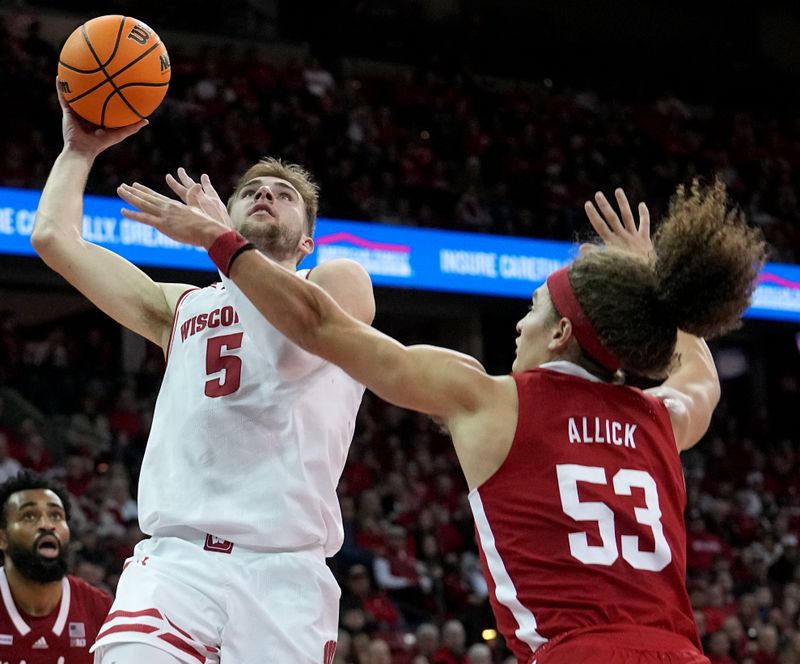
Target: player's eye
x=57 y=516
x=286 y=196
x=29 y=516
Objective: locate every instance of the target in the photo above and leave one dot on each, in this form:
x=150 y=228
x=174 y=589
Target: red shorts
x=612 y=654
x=646 y=646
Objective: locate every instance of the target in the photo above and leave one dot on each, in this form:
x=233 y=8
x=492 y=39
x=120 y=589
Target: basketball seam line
x=110 y=57
x=142 y=84
x=113 y=85
x=110 y=78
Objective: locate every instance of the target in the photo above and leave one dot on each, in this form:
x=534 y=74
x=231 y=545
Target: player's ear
x=3 y=539
x=305 y=247
x=560 y=335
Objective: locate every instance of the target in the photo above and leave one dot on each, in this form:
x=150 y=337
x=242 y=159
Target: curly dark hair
x=701 y=281
x=26 y=480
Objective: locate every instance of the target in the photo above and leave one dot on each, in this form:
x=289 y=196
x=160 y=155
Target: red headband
x=564 y=300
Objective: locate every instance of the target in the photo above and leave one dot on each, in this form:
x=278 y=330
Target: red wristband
x=226 y=248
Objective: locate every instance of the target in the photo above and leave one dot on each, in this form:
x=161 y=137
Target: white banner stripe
x=505 y=592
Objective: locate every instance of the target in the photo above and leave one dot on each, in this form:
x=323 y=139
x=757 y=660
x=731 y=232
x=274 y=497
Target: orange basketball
x=113 y=71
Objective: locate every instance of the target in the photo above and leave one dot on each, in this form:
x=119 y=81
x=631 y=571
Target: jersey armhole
x=665 y=412
x=518 y=386
x=175 y=322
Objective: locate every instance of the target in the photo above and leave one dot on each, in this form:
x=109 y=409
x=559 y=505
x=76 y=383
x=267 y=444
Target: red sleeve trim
x=175 y=321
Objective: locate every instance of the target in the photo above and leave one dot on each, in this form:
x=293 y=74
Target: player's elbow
x=42 y=239
x=48 y=247
x=46 y=238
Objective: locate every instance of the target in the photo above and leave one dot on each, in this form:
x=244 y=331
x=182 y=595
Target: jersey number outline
x=607 y=553
x=230 y=364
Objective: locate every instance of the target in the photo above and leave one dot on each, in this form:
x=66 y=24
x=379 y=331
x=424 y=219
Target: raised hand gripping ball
x=113 y=71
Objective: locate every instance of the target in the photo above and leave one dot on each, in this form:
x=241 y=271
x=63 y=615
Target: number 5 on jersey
x=228 y=363
x=607 y=553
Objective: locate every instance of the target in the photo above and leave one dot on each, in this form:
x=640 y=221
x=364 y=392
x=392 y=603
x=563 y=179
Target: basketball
x=113 y=71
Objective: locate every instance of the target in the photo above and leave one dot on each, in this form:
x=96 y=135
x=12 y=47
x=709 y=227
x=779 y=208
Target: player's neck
x=35 y=599
x=289 y=263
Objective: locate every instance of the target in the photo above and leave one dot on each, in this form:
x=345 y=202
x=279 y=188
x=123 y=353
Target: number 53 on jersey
x=612 y=542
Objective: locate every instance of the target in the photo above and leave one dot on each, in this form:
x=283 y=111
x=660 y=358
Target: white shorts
x=204 y=603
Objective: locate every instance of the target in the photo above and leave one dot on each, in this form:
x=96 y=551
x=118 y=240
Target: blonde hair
x=295 y=175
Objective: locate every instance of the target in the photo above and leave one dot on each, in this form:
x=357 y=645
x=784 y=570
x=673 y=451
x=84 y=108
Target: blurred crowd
x=434 y=146
x=412 y=589
x=423 y=148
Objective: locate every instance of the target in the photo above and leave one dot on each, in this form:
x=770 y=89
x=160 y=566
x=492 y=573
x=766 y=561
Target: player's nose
x=264 y=191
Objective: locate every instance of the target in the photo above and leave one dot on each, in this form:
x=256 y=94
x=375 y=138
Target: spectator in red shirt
x=398 y=572
x=378 y=607
x=719 y=607
x=702 y=546
x=379 y=652
x=427 y=641
x=718 y=650
x=36 y=456
x=125 y=414
x=732 y=626
x=453 y=648
x=766 y=651
x=479 y=653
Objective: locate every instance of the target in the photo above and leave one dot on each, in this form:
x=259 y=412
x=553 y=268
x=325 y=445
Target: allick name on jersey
x=223 y=316
x=585 y=430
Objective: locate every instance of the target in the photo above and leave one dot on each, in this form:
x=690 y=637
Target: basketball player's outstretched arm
x=112 y=283
x=428 y=379
x=692 y=390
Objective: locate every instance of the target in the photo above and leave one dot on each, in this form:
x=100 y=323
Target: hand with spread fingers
x=623 y=234
x=202 y=195
x=188 y=224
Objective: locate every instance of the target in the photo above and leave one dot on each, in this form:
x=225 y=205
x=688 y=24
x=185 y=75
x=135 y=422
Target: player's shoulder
x=339 y=268
x=85 y=592
x=349 y=283
x=174 y=292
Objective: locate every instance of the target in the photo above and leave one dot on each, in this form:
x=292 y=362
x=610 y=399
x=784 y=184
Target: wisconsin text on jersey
x=221 y=317
x=598 y=430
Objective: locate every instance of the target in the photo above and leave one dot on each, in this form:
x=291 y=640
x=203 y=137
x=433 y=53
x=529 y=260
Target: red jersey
x=582 y=526
x=62 y=637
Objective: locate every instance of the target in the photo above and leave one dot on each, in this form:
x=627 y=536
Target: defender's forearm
x=298 y=308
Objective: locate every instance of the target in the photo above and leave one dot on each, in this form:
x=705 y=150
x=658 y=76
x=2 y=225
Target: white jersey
x=250 y=433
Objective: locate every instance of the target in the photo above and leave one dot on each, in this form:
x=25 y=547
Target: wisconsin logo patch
x=218 y=544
